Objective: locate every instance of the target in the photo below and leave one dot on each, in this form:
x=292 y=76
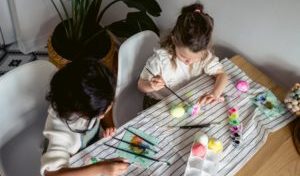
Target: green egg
x=177 y=111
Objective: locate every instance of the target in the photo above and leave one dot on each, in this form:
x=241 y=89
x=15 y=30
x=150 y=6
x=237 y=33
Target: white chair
x=133 y=55
x=23 y=111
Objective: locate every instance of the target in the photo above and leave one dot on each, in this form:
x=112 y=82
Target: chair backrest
x=23 y=113
x=133 y=55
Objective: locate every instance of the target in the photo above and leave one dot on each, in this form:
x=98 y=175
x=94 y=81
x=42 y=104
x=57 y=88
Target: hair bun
x=198 y=8
x=194 y=8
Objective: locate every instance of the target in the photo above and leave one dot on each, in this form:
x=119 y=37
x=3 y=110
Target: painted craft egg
x=201 y=138
x=242 y=86
x=177 y=111
x=215 y=145
x=199 y=150
x=193 y=110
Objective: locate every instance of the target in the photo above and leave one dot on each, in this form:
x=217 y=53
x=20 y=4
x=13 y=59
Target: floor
x=11 y=57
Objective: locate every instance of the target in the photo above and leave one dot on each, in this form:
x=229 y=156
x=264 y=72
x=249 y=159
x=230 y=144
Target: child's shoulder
x=161 y=52
x=160 y=55
x=211 y=57
x=52 y=112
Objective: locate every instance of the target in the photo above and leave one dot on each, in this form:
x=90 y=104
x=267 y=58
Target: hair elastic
x=197 y=11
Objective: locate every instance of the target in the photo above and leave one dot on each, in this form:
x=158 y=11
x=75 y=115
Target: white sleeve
x=62 y=144
x=212 y=65
x=154 y=65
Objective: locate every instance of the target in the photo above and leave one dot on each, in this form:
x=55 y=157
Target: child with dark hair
x=184 y=55
x=81 y=96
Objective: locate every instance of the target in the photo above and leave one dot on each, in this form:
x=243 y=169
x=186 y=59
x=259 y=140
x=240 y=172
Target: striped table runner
x=177 y=142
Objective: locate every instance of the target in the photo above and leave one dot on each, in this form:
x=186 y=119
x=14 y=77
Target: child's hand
x=157 y=83
x=113 y=167
x=209 y=98
x=109 y=132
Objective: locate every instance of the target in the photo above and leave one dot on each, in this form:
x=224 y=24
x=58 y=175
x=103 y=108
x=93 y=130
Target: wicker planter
x=59 y=61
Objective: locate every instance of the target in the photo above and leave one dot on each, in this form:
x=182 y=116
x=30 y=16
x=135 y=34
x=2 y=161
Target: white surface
x=265 y=32
x=6 y=23
x=33 y=21
x=133 y=55
x=23 y=113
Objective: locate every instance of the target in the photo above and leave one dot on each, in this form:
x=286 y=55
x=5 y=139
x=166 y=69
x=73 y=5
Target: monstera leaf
x=150 y=6
x=135 y=22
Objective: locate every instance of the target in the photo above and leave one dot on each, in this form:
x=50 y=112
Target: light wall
x=266 y=33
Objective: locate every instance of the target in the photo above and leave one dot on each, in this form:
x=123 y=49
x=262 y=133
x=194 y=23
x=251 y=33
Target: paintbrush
x=140 y=155
x=136 y=145
x=195 y=126
x=173 y=92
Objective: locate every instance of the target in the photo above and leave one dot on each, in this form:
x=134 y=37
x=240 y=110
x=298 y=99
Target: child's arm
x=107 y=124
x=156 y=83
x=220 y=84
x=215 y=94
x=108 y=167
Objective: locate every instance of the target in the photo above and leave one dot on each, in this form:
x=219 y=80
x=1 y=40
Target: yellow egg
x=215 y=145
x=177 y=111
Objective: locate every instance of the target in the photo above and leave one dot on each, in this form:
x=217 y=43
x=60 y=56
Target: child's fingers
x=157 y=80
x=160 y=84
x=119 y=160
x=209 y=100
x=213 y=101
x=112 y=131
x=104 y=134
x=221 y=99
x=109 y=132
x=202 y=100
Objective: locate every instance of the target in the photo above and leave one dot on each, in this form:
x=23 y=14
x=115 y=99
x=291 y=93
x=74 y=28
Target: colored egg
x=215 y=145
x=242 y=86
x=193 y=110
x=201 y=138
x=189 y=109
x=199 y=150
x=177 y=111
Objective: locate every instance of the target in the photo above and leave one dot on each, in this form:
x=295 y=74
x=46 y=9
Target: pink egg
x=199 y=150
x=242 y=86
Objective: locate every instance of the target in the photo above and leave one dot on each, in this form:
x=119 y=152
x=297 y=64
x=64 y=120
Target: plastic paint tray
x=202 y=167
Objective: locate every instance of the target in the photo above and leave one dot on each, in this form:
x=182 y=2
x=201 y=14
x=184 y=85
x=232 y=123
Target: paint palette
x=204 y=165
x=197 y=166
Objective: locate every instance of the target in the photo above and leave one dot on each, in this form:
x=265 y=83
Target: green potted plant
x=80 y=32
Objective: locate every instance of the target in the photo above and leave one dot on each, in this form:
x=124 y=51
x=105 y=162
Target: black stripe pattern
x=176 y=143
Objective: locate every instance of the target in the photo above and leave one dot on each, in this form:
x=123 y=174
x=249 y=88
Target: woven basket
x=59 y=61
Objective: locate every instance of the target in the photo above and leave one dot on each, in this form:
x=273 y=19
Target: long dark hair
x=193 y=30
x=84 y=86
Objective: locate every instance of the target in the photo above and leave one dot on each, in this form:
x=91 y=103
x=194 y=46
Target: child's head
x=190 y=38
x=85 y=87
